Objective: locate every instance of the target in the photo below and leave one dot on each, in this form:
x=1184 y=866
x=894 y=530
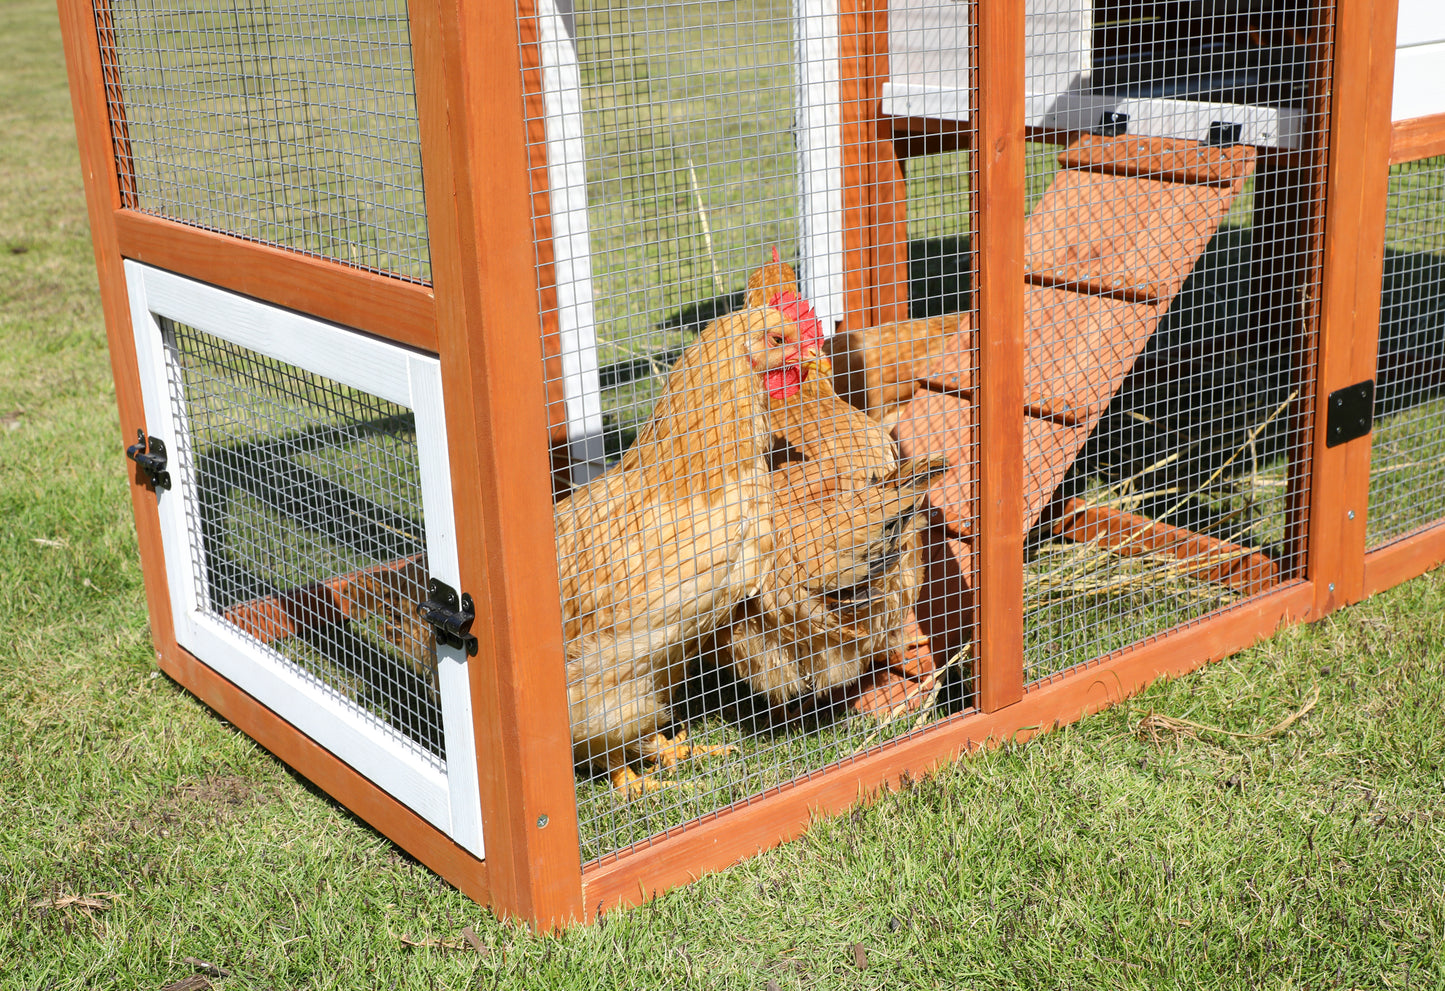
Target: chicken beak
x=817 y=361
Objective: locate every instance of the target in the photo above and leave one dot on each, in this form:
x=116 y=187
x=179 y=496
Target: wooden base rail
x=1406 y=558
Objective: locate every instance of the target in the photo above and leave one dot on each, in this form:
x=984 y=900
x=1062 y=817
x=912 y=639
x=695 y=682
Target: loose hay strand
x=1153 y=723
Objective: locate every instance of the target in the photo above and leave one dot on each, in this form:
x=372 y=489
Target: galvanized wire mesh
x=307 y=528
x=1172 y=189
x=1170 y=278
x=1407 y=466
x=678 y=144
x=287 y=123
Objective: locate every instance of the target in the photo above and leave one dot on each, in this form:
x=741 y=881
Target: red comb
x=795 y=308
x=776 y=259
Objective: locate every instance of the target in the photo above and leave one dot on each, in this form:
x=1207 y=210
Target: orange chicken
x=661 y=549
x=847 y=565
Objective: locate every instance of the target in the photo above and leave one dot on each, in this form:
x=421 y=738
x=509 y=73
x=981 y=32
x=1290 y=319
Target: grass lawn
x=1128 y=851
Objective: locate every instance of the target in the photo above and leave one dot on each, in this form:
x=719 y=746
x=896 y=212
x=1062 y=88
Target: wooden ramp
x=1108 y=248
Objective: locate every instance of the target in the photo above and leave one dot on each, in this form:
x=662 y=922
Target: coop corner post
x=475 y=162
x=998 y=122
x=1357 y=180
x=103 y=201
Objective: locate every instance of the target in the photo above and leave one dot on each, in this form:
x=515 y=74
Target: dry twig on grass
x=1156 y=723
x=467 y=941
x=98 y=901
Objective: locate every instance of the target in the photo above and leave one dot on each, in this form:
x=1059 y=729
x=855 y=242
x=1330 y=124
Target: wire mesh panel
x=307 y=510
x=287 y=123
x=1168 y=264
x=742 y=589
x=305 y=518
x=1407 y=468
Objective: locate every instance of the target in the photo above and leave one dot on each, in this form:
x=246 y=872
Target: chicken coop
x=589 y=439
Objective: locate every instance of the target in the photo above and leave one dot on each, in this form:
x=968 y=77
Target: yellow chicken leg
x=668 y=752
x=634 y=785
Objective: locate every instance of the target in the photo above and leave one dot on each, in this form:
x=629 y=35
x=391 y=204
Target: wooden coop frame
x=474 y=80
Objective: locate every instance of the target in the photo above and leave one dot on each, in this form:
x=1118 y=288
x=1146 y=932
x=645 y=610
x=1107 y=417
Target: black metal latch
x=1112 y=124
x=450 y=616
x=1351 y=413
x=1223 y=133
x=150 y=454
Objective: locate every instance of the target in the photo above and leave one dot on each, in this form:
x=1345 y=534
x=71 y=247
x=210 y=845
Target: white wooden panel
x=381 y=754
x=820 y=157
x=385 y=757
x=353 y=359
x=1275 y=127
x=1419 y=81
x=463 y=790
x=1421 y=22
x=928 y=50
x=571 y=248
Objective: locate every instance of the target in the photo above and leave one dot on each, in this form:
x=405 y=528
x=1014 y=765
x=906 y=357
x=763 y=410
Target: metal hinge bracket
x=449 y=615
x=1351 y=413
x=150 y=454
x=1112 y=124
x=1223 y=133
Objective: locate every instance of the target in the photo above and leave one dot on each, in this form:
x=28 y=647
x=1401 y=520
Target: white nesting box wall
x=1419 y=60
x=928 y=57
x=928 y=66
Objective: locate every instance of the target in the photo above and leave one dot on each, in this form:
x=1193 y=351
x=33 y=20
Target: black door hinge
x=150 y=454
x=450 y=616
x=1351 y=413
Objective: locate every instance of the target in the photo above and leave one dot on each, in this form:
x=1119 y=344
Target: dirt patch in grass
x=214 y=798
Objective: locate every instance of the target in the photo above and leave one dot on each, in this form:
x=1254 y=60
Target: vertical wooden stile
x=1357 y=183
x=536 y=124
x=998 y=250
x=103 y=196
x=475 y=162
x=857 y=115
x=889 y=191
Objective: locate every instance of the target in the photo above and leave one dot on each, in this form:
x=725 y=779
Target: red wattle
x=783 y=383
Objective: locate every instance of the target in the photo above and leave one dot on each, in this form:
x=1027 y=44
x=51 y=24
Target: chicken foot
x=667 y=752
x=662 y=753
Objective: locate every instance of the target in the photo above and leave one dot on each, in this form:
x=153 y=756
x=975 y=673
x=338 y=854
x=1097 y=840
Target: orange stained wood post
x=875 y=194
x=536 y=119
x=103 y=186
x=1357 y=180
x=889 y=199
x=998 y=198
x=857 y=117
x=479 y=206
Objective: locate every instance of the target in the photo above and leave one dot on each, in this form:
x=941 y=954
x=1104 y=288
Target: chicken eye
x=775 y=339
